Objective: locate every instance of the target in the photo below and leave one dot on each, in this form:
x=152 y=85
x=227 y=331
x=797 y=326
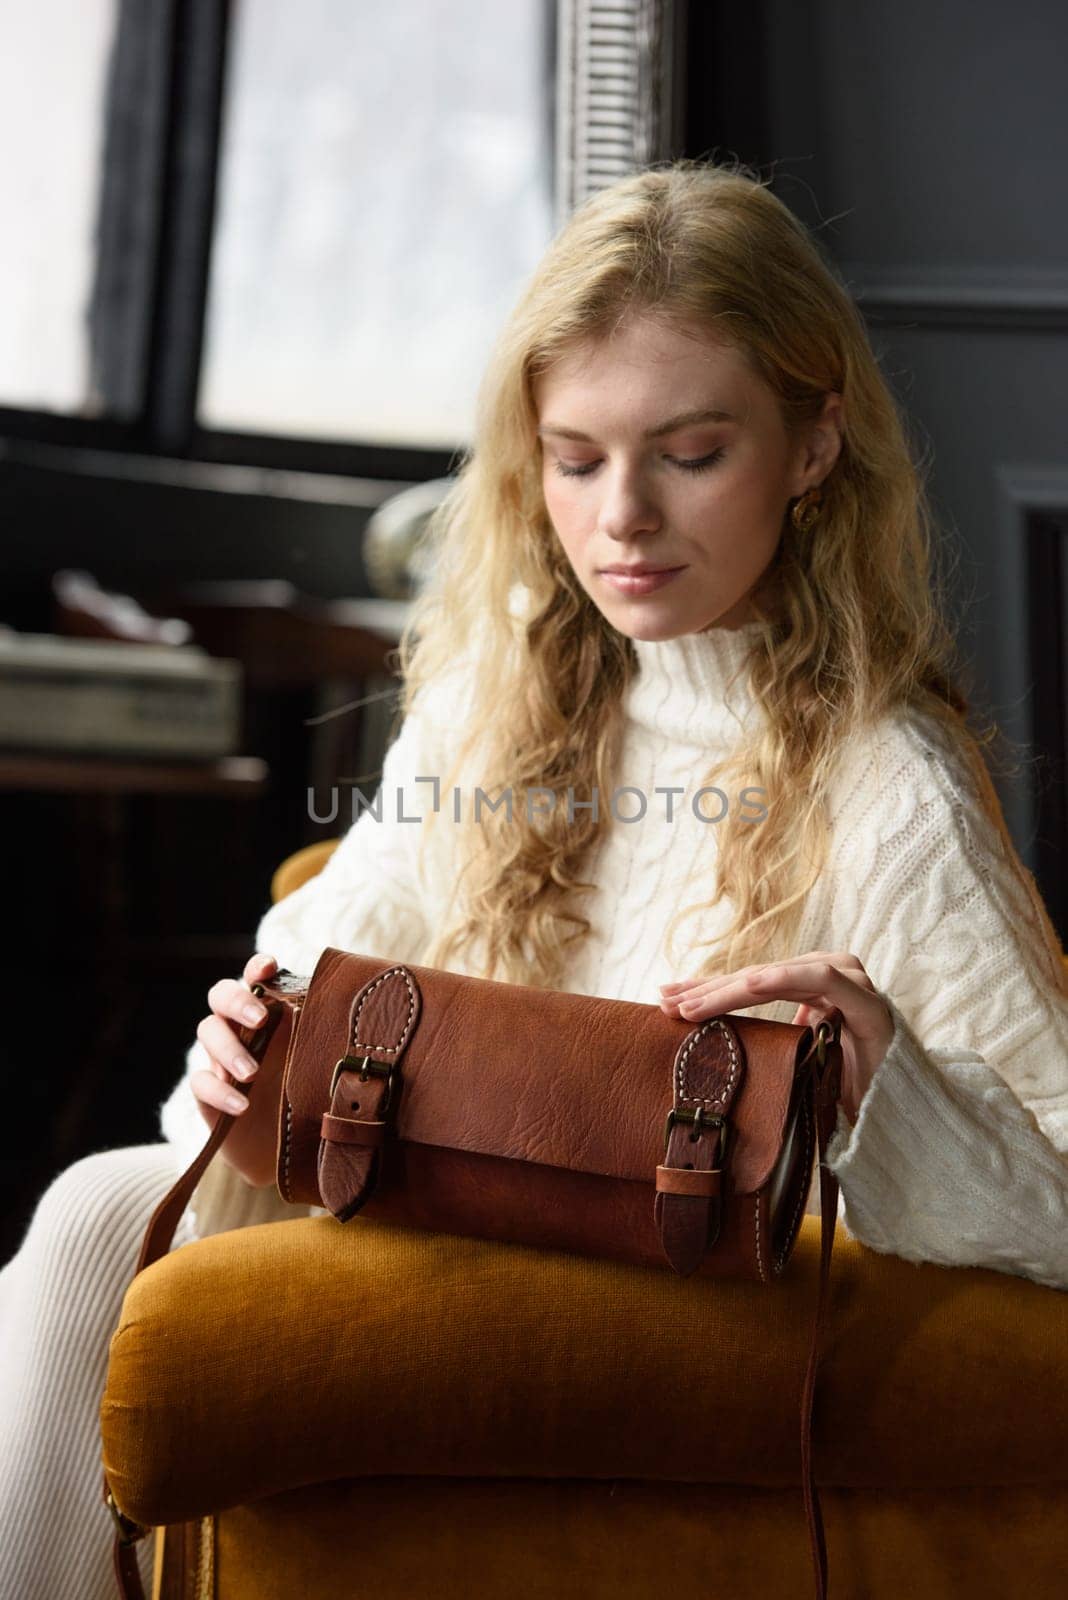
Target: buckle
x=365 y=1066
x=127 y=1530
x=701 y=1120
x=826 y=1032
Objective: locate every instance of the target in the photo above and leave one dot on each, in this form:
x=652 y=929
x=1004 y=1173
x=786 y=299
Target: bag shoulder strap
x=159 y=1235
x=827 y=1088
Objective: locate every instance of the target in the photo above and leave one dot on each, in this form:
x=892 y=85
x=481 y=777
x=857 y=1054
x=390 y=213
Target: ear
x=821 y=446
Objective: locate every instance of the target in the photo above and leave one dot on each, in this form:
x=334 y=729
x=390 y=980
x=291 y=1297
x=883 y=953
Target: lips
x=641 y=571
x=639 y=580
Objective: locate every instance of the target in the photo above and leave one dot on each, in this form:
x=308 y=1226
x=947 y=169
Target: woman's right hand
x=250 y=1145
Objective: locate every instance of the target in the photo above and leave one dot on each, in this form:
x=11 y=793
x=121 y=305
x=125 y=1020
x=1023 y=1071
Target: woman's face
x=667 y=472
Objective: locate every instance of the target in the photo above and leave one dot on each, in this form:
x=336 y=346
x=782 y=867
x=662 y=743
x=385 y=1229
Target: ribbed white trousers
x=60 y=1298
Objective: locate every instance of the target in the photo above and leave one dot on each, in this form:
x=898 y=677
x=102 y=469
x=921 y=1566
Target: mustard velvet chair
x=309 y=1409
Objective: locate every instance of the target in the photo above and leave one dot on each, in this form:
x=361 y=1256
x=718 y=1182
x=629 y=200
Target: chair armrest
x=274 y=1356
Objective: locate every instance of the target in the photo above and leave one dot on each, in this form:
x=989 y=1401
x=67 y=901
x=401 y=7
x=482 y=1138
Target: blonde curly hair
x=852 y=629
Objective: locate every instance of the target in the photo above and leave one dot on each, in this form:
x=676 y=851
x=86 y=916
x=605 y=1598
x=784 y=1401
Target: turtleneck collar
x=684 y=688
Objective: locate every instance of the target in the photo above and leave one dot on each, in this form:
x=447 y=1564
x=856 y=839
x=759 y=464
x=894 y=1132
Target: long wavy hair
x=852 y=628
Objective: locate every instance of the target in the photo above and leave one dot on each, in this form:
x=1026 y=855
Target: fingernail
x=254 y=1014
x=243 y=1066
x=234 y=1102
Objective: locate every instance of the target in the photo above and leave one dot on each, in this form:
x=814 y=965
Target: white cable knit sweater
x=958 y=1155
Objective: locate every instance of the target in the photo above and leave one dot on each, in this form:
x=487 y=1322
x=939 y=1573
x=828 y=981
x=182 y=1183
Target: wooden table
x=239 y=776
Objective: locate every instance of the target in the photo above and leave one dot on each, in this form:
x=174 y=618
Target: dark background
x=927 y=144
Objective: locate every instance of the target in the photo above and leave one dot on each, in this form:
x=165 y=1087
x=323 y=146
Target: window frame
x=180 y=110
x=175 y=54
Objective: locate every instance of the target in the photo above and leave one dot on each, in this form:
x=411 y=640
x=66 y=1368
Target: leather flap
x=504 y=1070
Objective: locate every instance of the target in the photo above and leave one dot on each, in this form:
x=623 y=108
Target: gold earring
x=805 y=511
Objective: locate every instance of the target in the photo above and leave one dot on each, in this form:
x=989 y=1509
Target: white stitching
x=756 y=1230
x=388 y=1049
x=706 y=1100
x=286 y=1192
x=285 y=1167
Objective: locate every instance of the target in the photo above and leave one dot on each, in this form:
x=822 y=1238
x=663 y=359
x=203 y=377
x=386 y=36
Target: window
x=385 y=188
x=243 y=231
x=53 y=77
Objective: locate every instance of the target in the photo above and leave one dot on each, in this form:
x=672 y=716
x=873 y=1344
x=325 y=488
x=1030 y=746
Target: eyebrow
x=686 y=419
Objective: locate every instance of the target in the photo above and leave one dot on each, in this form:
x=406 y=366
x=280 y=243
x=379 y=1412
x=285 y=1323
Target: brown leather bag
x=542 y=1118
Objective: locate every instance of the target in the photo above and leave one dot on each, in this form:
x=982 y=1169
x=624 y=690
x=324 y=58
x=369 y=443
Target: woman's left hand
x=826 y=983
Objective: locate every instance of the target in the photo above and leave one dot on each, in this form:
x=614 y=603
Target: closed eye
x=693 y=464
x=699 y=463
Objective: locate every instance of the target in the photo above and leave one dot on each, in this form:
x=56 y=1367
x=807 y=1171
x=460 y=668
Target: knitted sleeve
x=368 y=897
x=959 y=1154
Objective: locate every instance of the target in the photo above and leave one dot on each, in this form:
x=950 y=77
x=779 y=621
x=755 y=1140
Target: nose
x=627 y=507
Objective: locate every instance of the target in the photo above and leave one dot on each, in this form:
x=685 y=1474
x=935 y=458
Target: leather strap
x=165 y=1219
x=708 y=1071
x=157 y=1241
x=827 y=1085
x=677 y=1180
x=363 y=1093
x=344 y=1130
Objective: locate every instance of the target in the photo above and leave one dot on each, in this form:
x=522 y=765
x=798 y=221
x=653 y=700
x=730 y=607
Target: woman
x=692 y=550
x=681 y=637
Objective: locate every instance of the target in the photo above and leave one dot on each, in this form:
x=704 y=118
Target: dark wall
x=928 y=146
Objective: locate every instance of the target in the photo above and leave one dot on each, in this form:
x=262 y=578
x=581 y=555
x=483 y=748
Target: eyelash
x=700 y=464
